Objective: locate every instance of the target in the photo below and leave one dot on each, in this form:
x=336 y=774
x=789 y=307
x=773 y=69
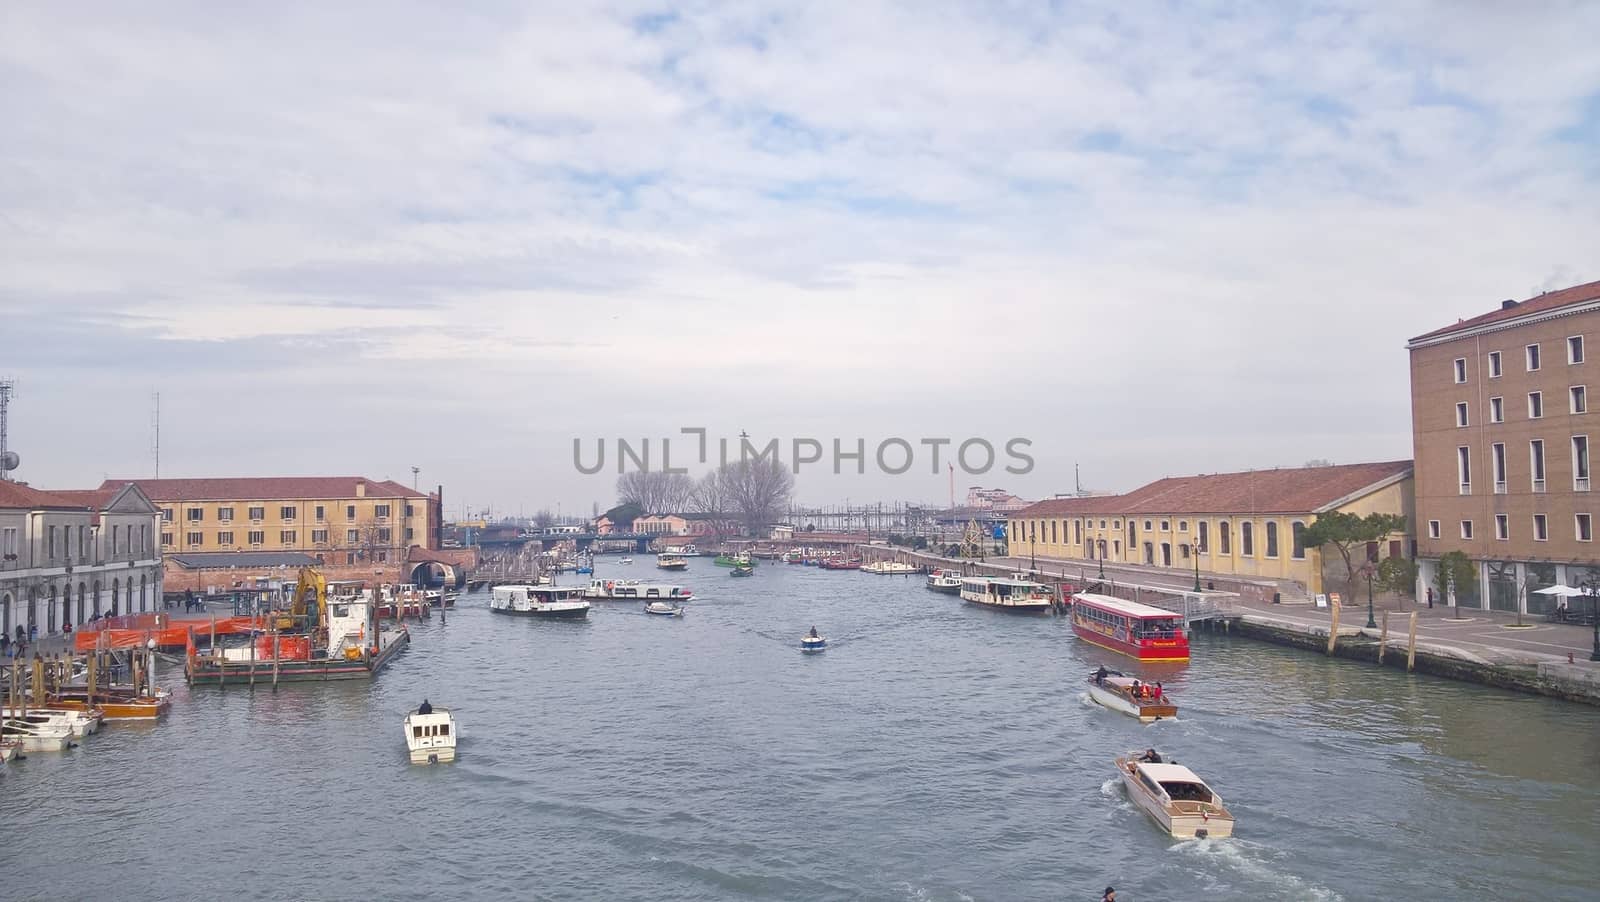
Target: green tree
x=1397 y=575
x=623 y=515
x=1347 y=533
x=1457 y=568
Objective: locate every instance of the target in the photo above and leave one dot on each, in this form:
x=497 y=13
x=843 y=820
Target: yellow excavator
x=308 y=612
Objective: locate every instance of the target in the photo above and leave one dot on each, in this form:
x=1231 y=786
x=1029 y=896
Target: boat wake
x=1253 y=862
x=1112 y=789
x=1086 y=701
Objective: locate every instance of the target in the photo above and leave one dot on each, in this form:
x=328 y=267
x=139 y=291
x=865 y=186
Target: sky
x=1149 y=239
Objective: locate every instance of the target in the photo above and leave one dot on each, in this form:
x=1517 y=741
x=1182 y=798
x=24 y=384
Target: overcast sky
x=1154 y=239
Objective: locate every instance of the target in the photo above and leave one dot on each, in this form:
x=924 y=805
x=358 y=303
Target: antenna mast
x=155 y=431
x=8 y=461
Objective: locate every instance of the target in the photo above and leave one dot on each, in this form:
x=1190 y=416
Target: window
x=1464 y=469
x=1077 y=528
x=166 y=515
x=1585 y=527
x=352 y=536
x=1497 y=457
x=225 y=514
x=1461 y=370
x=1433 y=529
x=1147 y=526
x=410 y=533
x=51 y=552
x=1575 y=349
x=1166 y=525
x=286 y=513
x=1272 y=538
x=349 y=557
x=349 y=511
x=166 y=540
x=1204 y=544
x=1461 y=414
x=385 y=535
x=1183 y=526
x=1494 y=364
x=1466 y=529
x=1535 y=405
x=380 y=511
x=194 y=539
x=1497 y=410
x=195 y=514
x=1223 y=538
x=257 y=537
x=1536 y=463
x=224 y=538
x=411 y=512
x=319 y=537
x=1541 y=528
x=258 y=514
x=1053 y=539
x=1580 y=463
x=1532 y=355
x=286 y=537
x=1502 y=529
x=1577 y=399
x=1297 y=536
x=321 y=513
x=1247 y=539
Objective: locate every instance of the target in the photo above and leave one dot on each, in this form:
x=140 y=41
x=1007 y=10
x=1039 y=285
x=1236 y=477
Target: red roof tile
x=96 y=499
x=1550 y=300
x=1296 y=490
x=264 y=488
x=17 y=495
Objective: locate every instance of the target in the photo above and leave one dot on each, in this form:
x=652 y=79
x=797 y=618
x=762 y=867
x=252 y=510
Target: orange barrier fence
x=166 y=637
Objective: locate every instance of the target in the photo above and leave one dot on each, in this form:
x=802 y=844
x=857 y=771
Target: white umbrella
x=1563 y=591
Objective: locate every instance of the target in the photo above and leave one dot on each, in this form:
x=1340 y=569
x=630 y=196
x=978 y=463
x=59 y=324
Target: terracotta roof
x=17 y=495
x=264 y=488
x=1295 y=490
x=96 y=499
x=1550 y=300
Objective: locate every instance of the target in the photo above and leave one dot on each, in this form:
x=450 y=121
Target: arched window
x=83 y=600
x=1204 y=544
x=1053 y=539
x=143 y=587
x=1272 y=538
x=115 y=535
x=1298 y=529
x=50 y=611
x=94 y=599
x=1224 y=540
x=1247 y=539
x=5 y=613
x=116 y=595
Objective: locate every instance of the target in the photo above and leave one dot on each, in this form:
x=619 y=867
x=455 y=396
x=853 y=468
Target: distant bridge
x=548 y=540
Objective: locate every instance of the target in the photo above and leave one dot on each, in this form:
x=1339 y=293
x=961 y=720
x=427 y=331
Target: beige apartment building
x=1501 y=431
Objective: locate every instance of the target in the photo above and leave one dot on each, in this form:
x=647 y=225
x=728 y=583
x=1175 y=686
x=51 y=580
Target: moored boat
x=1120 y=692
x=79 y=722
x=888 y=568
x=430 y=735
x=634 y=590
x=682 y=550
x=1128 y=627
x=36 y=737
x=115 y=704
x=839 y=563
x=9 y=748
x=946 y=581
x=564 y=602
x=734 y=560
x=1003 y=594
x=1174 y=796
x=663 y=609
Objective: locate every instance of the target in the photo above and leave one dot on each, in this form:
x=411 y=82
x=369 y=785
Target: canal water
x=936 y=751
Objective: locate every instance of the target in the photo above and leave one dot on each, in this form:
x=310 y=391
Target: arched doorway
x=50 y=611
x=116 y=595
x=95 y=598
x=66 y=606
x=143 y=588
x=82 y=602
x=33 y=608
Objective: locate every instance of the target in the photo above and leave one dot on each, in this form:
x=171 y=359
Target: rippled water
x=935 y=751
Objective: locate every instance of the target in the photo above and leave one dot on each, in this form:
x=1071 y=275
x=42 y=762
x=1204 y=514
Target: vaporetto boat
x=946 y=581
x=634 y=590
x=1007 y=594
x=539 y=601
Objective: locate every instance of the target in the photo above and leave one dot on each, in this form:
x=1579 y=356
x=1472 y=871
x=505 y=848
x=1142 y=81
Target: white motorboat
x=813 y=642
x=431 y=736
x=79 y=722
x=539 y=601
x=1174 y=796
x=1117 y=691
x=9 y=748
x=946 y=581
x=682 y=550
x=663 y=609
x=626 y=560
x=1014 y=595
x=888 y=568
x=37 y=737
x=634 y=590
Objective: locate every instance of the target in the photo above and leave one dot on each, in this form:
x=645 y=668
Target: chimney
x=361 y=488
x=1507 y=305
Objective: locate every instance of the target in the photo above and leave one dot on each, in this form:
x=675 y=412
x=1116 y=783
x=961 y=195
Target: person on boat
x=1110 y=895
x=1134 y=689
x=1100 y=675
x=813 y=634
x=1157 y=693
x=1150 y=756
x=424 y=708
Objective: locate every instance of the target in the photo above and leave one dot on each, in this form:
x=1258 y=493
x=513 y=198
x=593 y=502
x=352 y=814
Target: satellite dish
x=10 y=461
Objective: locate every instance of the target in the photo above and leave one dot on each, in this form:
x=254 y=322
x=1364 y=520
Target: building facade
x=68 y=556
x=1233 y=524
x=1501 y=431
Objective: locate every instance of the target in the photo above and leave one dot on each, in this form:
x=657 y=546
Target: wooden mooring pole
x=1383 y=636
x=1333 y=625
x=1411 y=645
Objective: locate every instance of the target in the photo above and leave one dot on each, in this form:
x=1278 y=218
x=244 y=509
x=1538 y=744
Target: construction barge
x=316 y=640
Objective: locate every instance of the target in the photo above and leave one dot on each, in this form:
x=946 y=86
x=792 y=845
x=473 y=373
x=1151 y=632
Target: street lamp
x=1194 y=552
x=1033 y=560
x=1102 y=559
x=1367 y=571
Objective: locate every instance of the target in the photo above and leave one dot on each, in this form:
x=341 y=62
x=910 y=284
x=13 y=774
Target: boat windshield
x=1157 y=629
x=1187 y=792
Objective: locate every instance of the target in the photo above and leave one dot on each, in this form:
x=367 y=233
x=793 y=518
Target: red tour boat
x=1128 y=627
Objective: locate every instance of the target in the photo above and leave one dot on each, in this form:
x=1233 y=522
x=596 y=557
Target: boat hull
x=1177 y=825
x=443 y=754
x=143 y=708
x=1108 y=697
x=1025 y=607
x=561 y=614
x=54 y=743
x=946 y=590
x=208 y=672
x=811 y=646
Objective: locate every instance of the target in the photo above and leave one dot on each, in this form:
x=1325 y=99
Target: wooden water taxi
x=1174 y=796
x=1129 y=628
x=1120 y=692
x=1014 y=596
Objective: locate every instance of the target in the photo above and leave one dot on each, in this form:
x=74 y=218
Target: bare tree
x=655 y=492
x=544 y=519
x=710 y=497
x=759 y=491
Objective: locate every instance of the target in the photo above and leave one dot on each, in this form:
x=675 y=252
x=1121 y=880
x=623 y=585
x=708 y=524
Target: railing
x=1538 y=486
x=1466 y=488
x=1500 y=487
x=1580 y=483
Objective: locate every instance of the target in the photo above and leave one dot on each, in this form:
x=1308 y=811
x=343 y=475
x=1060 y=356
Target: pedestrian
x=33 y=632
x=1430 y=598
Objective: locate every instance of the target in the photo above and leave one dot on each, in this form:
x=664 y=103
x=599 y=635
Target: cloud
x=1157 y=239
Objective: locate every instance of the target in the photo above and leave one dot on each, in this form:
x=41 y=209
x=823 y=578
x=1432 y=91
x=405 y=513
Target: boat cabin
x=1128 y=627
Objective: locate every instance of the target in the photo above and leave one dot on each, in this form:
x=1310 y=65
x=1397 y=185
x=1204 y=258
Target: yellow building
x=344 y=520
x=1237 y=524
